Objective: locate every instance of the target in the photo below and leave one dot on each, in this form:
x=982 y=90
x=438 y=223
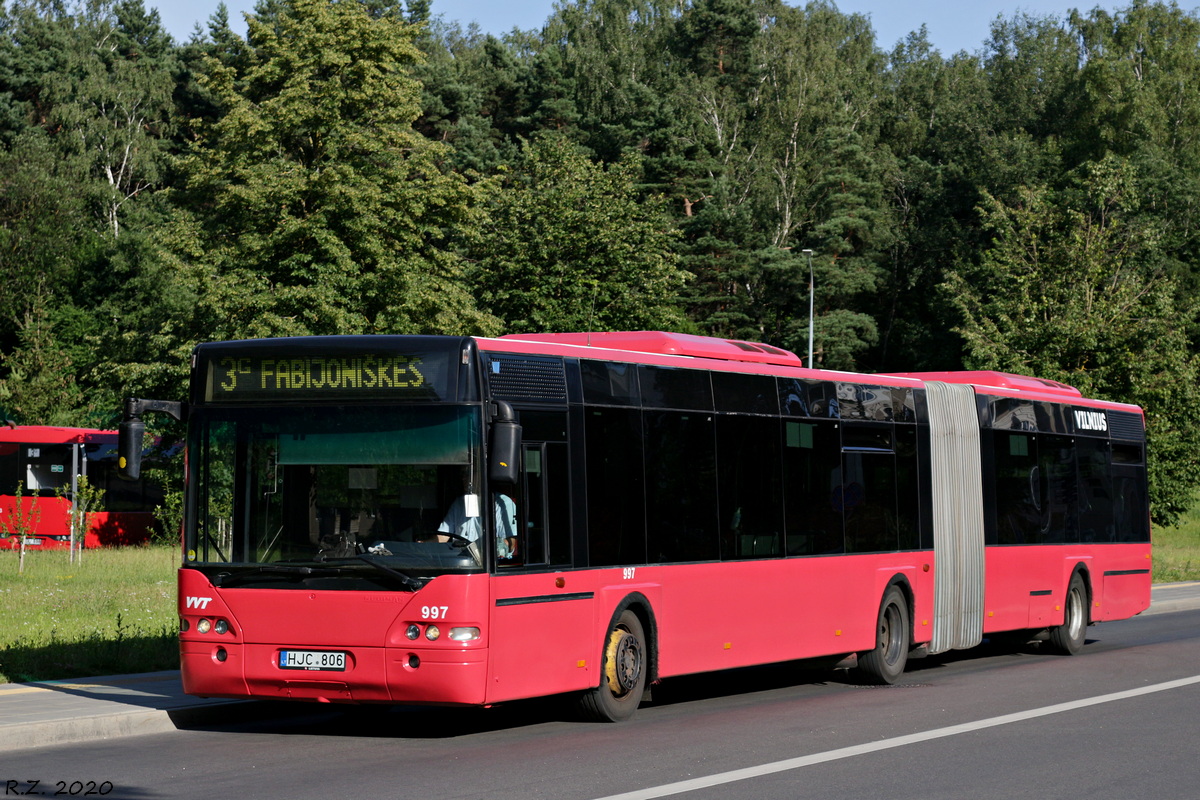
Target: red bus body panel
x=105 y=528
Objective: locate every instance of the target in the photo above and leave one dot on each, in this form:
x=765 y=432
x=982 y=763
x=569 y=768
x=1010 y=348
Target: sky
x=952 y=26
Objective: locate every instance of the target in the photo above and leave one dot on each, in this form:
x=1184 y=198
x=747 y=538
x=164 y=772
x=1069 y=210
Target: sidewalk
x=84 y=709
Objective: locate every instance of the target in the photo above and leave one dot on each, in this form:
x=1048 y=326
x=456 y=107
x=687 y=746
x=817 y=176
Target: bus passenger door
x=542 y=618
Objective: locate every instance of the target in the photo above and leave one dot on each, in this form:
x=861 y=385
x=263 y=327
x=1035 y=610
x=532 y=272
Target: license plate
x=319 y=660
x=32 y=542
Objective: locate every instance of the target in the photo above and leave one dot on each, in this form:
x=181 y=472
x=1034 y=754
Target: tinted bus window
x=812 y=471
x=1131 y=509
x=681 y=487
x=1095 y=491
x=8 y=468
x=666 y=387
x=908 y=488
x=748 y=394
x=1056 y=457
x=857 y=401
x=868 y=499
x=609 y=384
x=558 y=503
x=1018 y=489
x=750 y=496
x=904 y=406
x=616 y=510
x=547 y=508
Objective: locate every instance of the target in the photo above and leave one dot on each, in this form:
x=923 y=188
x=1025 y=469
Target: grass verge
x=1176 y=550
x=111 y=614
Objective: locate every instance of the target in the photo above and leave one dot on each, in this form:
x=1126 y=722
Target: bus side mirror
x=132 y=432
x=130 y=435
x=504 y=455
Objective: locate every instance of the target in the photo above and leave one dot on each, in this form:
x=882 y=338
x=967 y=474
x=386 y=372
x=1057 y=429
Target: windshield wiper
x=407 y=581
x=281 y=570
x=300 y=572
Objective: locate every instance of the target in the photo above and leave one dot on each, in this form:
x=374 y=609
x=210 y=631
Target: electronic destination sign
x=255 y=373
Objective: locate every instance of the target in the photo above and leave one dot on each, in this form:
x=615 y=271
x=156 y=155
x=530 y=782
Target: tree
x=569 y=247
x=1139 y=97
x=108 y=101
x=45 y=229
x=473 y=96
x=785 y=113
x=1069 y=291
x=312 y=204
x=22 y=521
x=39 y=386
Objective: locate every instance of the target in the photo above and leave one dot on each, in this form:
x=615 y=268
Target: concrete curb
x=110 y=725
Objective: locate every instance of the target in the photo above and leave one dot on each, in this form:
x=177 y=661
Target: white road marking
x=887 y=744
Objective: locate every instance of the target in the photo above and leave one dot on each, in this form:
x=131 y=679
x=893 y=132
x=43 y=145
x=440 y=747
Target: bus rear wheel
x=1068 y=638
x=885 y=664
x=623 y=682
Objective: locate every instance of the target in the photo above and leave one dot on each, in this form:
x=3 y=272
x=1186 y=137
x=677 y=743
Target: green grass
x=114 y=613
x=1176 y=550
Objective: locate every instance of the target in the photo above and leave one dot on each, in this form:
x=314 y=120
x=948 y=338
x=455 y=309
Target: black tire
x=623 y=673
x=885 y=664
x=1067 y=639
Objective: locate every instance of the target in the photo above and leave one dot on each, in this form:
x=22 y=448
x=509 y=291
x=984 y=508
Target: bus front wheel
x=1068 y=638
x=623 y=682
x=885 y=664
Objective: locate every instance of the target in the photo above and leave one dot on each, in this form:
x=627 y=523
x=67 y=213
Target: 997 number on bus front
x=312 y=660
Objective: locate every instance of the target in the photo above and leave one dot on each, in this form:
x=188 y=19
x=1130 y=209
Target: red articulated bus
x=44 y=464
x=469 y=521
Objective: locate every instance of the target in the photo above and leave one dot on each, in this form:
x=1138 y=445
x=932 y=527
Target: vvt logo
x=197 y=602
x=1091 y=420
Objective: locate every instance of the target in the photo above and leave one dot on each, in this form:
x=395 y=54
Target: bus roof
x=49 y=434
x=675 y=344
x=984 y=379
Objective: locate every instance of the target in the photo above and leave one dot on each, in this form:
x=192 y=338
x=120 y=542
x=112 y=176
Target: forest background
x=352 y=166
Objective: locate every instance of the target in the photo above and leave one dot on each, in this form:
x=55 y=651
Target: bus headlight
x=432 y=633
x=222 y=626
x=413 y=632
x=204 y=626
x=464 y=634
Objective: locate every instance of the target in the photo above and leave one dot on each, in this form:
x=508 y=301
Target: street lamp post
x=809 y=363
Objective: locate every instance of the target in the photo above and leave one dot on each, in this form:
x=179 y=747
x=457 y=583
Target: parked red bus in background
x=469 y=521
x=45 y=465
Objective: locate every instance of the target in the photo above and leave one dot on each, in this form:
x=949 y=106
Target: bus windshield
x=338 y=490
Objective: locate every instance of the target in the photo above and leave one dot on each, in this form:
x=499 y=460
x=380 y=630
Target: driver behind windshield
x=463 y=521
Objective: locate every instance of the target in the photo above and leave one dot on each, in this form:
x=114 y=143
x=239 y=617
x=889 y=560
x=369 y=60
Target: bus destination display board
x=239 y=377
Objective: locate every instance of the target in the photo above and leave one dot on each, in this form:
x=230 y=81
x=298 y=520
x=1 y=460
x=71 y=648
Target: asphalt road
x=1117 y=721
